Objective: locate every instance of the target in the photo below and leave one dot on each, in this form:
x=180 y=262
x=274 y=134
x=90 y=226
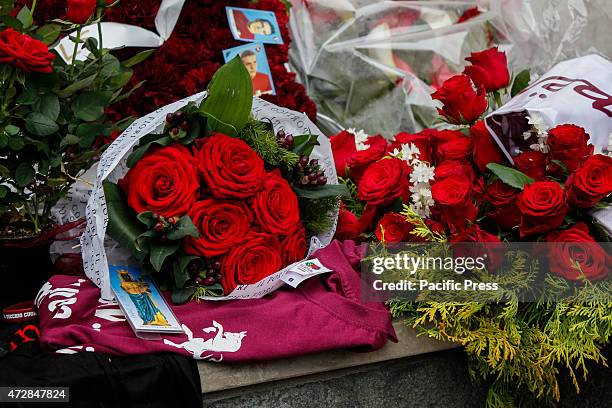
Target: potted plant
x=53 y=125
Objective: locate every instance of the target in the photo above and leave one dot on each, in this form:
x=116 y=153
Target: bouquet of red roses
x=217 y=199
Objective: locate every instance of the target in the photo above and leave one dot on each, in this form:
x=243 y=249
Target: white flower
x=360 y=138
x=421 y=173
x=537 y=122
x=410 y=153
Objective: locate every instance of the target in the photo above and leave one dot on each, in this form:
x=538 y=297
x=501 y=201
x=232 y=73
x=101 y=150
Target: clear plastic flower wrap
x=373 y=64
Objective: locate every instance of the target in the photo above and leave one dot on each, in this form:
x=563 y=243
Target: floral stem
x=76 y=47
x=33 y=7
x=498 y=100
x=99 y=18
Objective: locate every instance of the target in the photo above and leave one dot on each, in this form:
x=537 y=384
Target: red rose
x=24 y=52
x=454 y=195
x=591 y=182
x=394 y=228
x=348 y=226
x=384 y=181
x=276 y=206
x=293 y=247
x=454 y=168
x=346 y=154
x=473 y=242
x=459 y=148
x=461 y=102
x=468 y=14
x=222 y=224
x=503 y=198
x=421 y=140
x=485 y=149
x=543 y=207
x=531 y=163
x=489 y=69
x=368 y=218
x=570 y=145
x=253 y=260
x=574 y=255
x=230 y=168
x=79 y=11
x=164 y=181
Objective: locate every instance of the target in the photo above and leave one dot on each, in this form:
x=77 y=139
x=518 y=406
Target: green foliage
x=351 y=202
x=317 y=214
x=259 y=136
x=326 y=191
x=521 y=81
x=510 y=176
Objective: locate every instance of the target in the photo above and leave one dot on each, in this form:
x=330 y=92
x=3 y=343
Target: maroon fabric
x=324 y=313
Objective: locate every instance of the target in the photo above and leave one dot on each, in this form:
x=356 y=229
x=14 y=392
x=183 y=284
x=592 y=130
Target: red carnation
x=489 y=69
x=462 y=103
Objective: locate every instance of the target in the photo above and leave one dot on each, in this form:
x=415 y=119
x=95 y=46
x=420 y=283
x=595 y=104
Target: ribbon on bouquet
x=118 y=35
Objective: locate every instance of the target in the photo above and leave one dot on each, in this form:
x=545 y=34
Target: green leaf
x=521 y=81
x=56 y=182
x=69 y=140
x=181 y=271
x=230 y=98
x=510 y=176
x=304 y=144
x=12 y=130
x=89 y=106
x=77 y=86
x=25 y=17
x=4 y=190
x=147 y=219
x=16 y=143
x=40 y=125
x=120 y=78
x=182 y=295
x=24 y=174
x=49 y=33
x=123 y=226
x=4 y=172
x=48 y=105
x=326 y=191
x=138 y=58
x=28 y=96
x=4 y=140
x=140 y=151
x=182 y=229
x=159 y=253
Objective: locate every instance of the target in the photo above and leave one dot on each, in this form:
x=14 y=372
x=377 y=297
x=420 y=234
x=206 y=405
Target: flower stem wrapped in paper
x=214 y=194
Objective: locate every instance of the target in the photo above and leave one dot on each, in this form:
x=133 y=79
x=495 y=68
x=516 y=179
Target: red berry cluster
x=310 y=172
x=208 y=271
x=284 y=140
x=177 y=124
x=163 y=224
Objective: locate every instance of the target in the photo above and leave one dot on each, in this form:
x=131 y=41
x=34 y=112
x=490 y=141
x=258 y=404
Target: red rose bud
x=531 y=163
x=591 y=183
x=24 y=52
x=503 y=199
x=485 y=149
x=543 y=207
x=576 y=255
x=394 y=228
x=164 y=181
x=461 y=102
x=348 y=226
x=79 y=11
x=570 y=145
x=489 y=69
x=384 y=181
x=454 y=195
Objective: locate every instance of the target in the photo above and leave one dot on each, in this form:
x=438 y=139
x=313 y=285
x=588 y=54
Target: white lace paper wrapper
x=98 y=249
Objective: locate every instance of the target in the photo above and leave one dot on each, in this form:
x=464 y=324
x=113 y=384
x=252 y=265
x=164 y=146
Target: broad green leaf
x=182 y=295
x=89 y=106
x=69 y=140
x=49 y=33
x=4 y=140
x=3 y=191
x=16 y=143
x=304 y=144
x=123 y=226
x=326 y=191
x=230 y=98
x=159 y=253
x=48 y=105
x=183 y=228
x=510 y=176
x=24 y=174
x=521 y=81
x=140 y=151
x=147 y=218
x=181 y=271
x=138 y=58
x=11 y=130
x=4 y=171
x=120 y=78
x=40 y=125
x=77 y=86
x=25 y=17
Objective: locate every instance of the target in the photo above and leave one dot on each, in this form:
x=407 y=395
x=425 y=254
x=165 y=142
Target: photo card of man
x=143 y=305
x=254 y=58
x=253 y=25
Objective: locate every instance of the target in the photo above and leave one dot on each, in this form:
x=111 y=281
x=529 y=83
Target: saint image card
x=254 y=58
x=141 y=301
x=253 y=25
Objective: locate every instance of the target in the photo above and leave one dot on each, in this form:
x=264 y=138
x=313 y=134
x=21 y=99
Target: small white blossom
x=409 y=153
x=421 y=173
x=537 y=122
x=360 y=138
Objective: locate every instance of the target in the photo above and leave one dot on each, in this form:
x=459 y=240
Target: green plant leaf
x=230 y=98
x=182 y=295
x=25 y=17
x=4 y=172
x=69 y=140
x=138 y=58
x=159 y=253
x=24 y=174
x=304 y=144
x=12 y=130
x=89 y=106
x=40 y=125
x=181 y=273
x=48 y=105
x=521 y=81
x=140 y=151
x=4 y=140
x=184 y=227
x=147 y=218
x=326 y=191
x=4 y=190
x=77 y=86
x=510 y=176
x=49 y=33
x=123 y=226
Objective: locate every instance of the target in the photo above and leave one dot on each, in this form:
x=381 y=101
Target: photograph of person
x=254 y=58
x=253 y=25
